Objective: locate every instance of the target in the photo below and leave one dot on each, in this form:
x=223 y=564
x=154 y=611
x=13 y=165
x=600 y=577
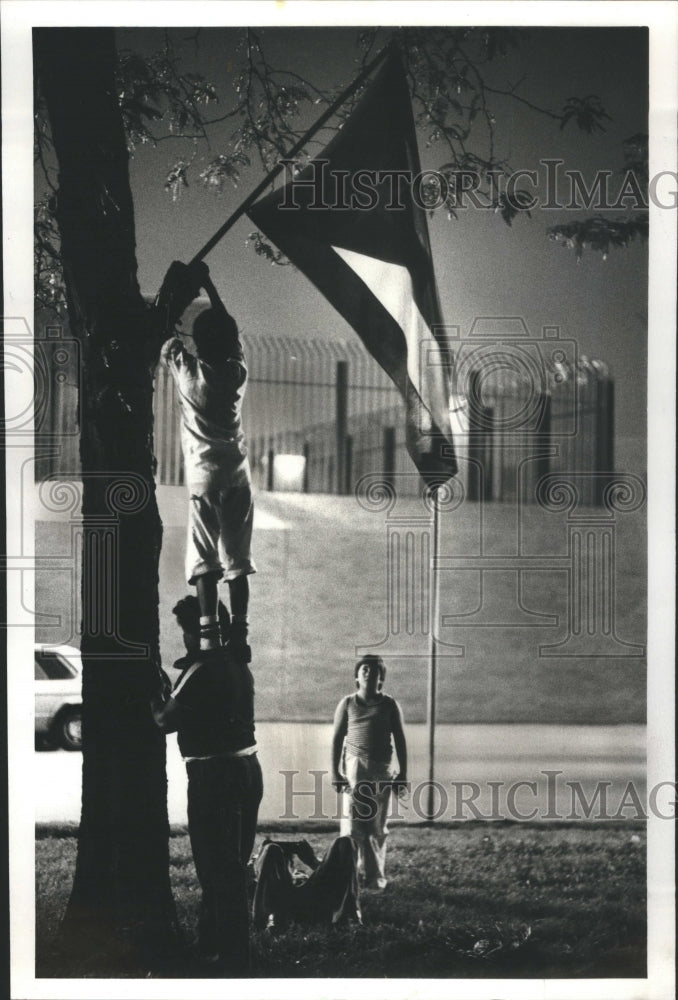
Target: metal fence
x=519 y=430
x=320 y=414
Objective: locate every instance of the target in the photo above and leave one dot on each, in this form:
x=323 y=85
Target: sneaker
x=211 y=634
x=376 y=883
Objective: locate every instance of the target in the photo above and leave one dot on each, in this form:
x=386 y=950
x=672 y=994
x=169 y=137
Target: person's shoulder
x=187 y=680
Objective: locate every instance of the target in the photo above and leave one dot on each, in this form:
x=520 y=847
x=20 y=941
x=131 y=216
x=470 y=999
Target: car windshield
x=56 y=667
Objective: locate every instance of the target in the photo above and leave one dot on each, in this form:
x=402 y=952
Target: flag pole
x=433 y=657
x=298 y=146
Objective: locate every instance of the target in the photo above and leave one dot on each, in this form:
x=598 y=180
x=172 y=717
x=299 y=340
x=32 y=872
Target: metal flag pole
x=298 y=146
x=433 y=657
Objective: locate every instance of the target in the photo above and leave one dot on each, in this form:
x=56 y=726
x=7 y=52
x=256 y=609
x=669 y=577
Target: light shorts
x=220 y=533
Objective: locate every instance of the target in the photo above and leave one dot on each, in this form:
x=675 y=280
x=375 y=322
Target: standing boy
x=211 y=386
x=368 y=726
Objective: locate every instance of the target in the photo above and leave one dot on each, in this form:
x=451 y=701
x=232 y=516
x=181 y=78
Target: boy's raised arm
x=180 y=286
x=212 y=293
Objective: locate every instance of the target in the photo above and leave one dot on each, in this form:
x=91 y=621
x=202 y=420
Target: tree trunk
x=121 y=908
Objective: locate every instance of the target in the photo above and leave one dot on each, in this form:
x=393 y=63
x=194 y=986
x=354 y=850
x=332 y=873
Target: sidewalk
x=295 y=761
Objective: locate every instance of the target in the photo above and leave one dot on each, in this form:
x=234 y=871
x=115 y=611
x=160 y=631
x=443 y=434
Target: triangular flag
x=350 y=223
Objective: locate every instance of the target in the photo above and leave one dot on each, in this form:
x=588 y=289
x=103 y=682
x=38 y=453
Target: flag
x=350 y=223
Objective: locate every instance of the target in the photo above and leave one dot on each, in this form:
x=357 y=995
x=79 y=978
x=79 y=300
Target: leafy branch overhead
x=587 y=112
x=605 y=233
x=457 y=95
x=153 y=90
x=264 y=249
x=601 y=234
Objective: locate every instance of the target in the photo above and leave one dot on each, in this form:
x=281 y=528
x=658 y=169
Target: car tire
x=44 y=742
x=68 y=729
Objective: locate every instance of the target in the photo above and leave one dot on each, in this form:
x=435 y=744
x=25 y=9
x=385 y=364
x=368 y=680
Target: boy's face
x=368 y=679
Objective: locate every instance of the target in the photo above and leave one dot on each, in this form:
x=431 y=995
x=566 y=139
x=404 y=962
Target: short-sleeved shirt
x=370 y=727
x=210 y=398
x=215 y=695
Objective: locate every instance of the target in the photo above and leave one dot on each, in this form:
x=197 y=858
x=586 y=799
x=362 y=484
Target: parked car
x=58 y=696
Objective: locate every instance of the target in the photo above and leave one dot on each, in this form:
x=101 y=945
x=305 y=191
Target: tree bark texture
x=121 y=905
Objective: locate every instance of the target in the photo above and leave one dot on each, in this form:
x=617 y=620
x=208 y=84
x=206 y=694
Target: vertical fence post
x=341 y=422
x=480 y=443
x=306 y=451
x=261 y=466
x=490 y=456
x=253 y=457
x=604 y=434
x=269 y=469
x=348 y=480
x=389 y=450
x=543 y=461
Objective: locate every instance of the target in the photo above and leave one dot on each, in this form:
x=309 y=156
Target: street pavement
x=478 y=771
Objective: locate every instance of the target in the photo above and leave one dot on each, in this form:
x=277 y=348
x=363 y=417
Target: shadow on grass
x=469 y=901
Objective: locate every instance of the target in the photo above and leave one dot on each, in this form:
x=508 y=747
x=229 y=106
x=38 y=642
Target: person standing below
x=368 y=726
x=211 y=386
x=211 y=708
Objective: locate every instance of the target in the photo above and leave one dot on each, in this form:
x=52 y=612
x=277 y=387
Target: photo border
x=18 y=16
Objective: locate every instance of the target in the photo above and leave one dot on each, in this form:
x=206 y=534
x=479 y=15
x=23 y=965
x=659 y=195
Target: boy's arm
x=212 y=293
x=400 y=742
x=164 y=708
x=340 y=728
x=180 y=286
x=165 y=714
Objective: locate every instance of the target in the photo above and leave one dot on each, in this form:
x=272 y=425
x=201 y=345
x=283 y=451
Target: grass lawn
x=463 y=901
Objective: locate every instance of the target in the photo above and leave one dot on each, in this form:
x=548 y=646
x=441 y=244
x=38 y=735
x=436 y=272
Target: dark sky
x=484 y=268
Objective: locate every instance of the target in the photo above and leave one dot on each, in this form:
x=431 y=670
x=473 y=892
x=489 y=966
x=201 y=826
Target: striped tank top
x=369 y=728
